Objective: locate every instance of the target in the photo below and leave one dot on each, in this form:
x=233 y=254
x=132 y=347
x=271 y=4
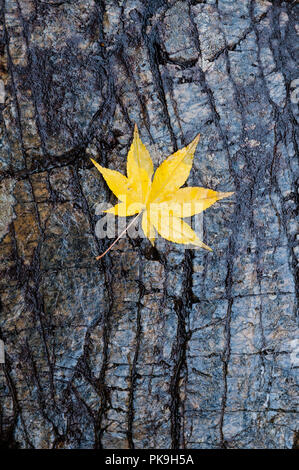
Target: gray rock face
x=149 y=347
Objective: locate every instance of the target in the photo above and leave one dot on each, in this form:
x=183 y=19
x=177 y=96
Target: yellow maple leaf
x=161 y=202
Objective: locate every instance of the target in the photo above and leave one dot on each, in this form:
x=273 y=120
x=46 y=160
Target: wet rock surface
x=149 y=347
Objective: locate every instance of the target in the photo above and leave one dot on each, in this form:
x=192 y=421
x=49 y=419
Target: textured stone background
x=148 y=348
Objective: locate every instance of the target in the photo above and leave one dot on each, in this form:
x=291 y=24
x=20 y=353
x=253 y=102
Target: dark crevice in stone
x=182 y=308
x=134 y=373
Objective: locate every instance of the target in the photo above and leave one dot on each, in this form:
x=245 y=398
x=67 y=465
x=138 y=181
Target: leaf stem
x=122 y=233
